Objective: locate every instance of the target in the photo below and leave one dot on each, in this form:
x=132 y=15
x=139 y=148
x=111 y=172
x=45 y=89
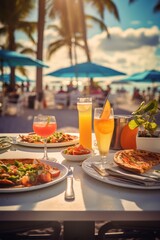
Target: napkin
x=120 y=174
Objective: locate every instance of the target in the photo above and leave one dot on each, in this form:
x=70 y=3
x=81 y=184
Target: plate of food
x=57 y=139
x=123 y=169
x=76 y=153
x=21 y=175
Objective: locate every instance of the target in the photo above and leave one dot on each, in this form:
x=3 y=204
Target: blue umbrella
x=149 y=76
x=6 y=78
x=87 y=69
x=14 y=59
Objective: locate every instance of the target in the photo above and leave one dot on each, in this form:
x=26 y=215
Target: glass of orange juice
x=84 y=106
x=44 y=126
x=103 y=128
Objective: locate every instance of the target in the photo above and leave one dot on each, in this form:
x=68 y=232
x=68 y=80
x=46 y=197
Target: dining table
x=95 y=200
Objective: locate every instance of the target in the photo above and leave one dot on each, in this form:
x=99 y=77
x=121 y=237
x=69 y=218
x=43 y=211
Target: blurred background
x=119 y=35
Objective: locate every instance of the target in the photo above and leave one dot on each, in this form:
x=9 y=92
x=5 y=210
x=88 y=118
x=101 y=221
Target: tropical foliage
x=73 y=23
x=13 y=18
x=145 y=118
x=156 y=7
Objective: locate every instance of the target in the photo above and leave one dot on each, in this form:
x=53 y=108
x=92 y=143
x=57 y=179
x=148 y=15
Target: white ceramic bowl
x=148 y=144
x=75 y=158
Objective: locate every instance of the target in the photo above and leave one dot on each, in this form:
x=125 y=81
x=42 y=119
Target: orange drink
x=103 y=128
x=84 y=106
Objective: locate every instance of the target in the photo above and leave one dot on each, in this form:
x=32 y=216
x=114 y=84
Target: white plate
x=60 y=144
x=91 y=172
x=75 y=158
x=63 y=173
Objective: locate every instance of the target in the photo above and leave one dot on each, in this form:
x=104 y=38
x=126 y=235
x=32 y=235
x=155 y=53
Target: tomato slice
x=55 y=172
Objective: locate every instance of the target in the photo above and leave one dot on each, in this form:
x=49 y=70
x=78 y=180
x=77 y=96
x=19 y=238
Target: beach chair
x=49 y=230
x=13 y=108
x=129 y=230
x=61 y=99
x=73 y=99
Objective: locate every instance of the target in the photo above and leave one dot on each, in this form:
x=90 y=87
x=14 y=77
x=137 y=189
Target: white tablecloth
x=94 y=200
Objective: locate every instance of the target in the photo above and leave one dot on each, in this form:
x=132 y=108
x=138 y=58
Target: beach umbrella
x=120 y=82
x=14 y=59
x=148 y=76
x=86 y=69
x=6 y=78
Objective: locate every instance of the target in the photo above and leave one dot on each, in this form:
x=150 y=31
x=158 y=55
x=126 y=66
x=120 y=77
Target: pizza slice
x=137 y=161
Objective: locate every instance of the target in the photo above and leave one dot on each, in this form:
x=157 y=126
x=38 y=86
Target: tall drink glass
x=103 y=128
x=44 y=126
x=84 y=106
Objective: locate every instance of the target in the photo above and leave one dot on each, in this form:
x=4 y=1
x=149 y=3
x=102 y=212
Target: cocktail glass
x=84 y=106
x=44 y=126
x=103 y=128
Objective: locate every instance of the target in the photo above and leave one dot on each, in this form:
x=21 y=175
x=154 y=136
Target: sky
x=134 y=44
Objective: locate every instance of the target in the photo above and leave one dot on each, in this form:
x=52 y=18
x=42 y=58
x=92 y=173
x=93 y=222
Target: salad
x=26 y=173
x=57 y=137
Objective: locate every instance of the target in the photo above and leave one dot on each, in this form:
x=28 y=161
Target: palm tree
x=100 y=5
x=41 y=23
x=156 y=7
x=13 y=17
x=73 y=23
x=64 y=39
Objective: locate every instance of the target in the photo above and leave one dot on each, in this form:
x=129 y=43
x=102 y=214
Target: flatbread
x=137 y=161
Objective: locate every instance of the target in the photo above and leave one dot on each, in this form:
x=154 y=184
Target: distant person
x=95 y=88
x=61 y=90
x=136 y=94
x=22 y=87
x=28 y=86
x=148 y=94
x=70 y=87
x=107 y=91
x=5 y=89
x=13 y=96
x=144 y=95
x=46 y=87
x=85 y=91
x=154 y=91
x=39 y=100
x=159 y=97
x=46 y=93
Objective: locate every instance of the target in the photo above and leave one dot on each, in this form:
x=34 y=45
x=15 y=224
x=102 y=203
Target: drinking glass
x=103 y=128
x=84 y=106
x=44 y=126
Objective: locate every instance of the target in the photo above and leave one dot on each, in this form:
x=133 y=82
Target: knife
x=69 y=193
